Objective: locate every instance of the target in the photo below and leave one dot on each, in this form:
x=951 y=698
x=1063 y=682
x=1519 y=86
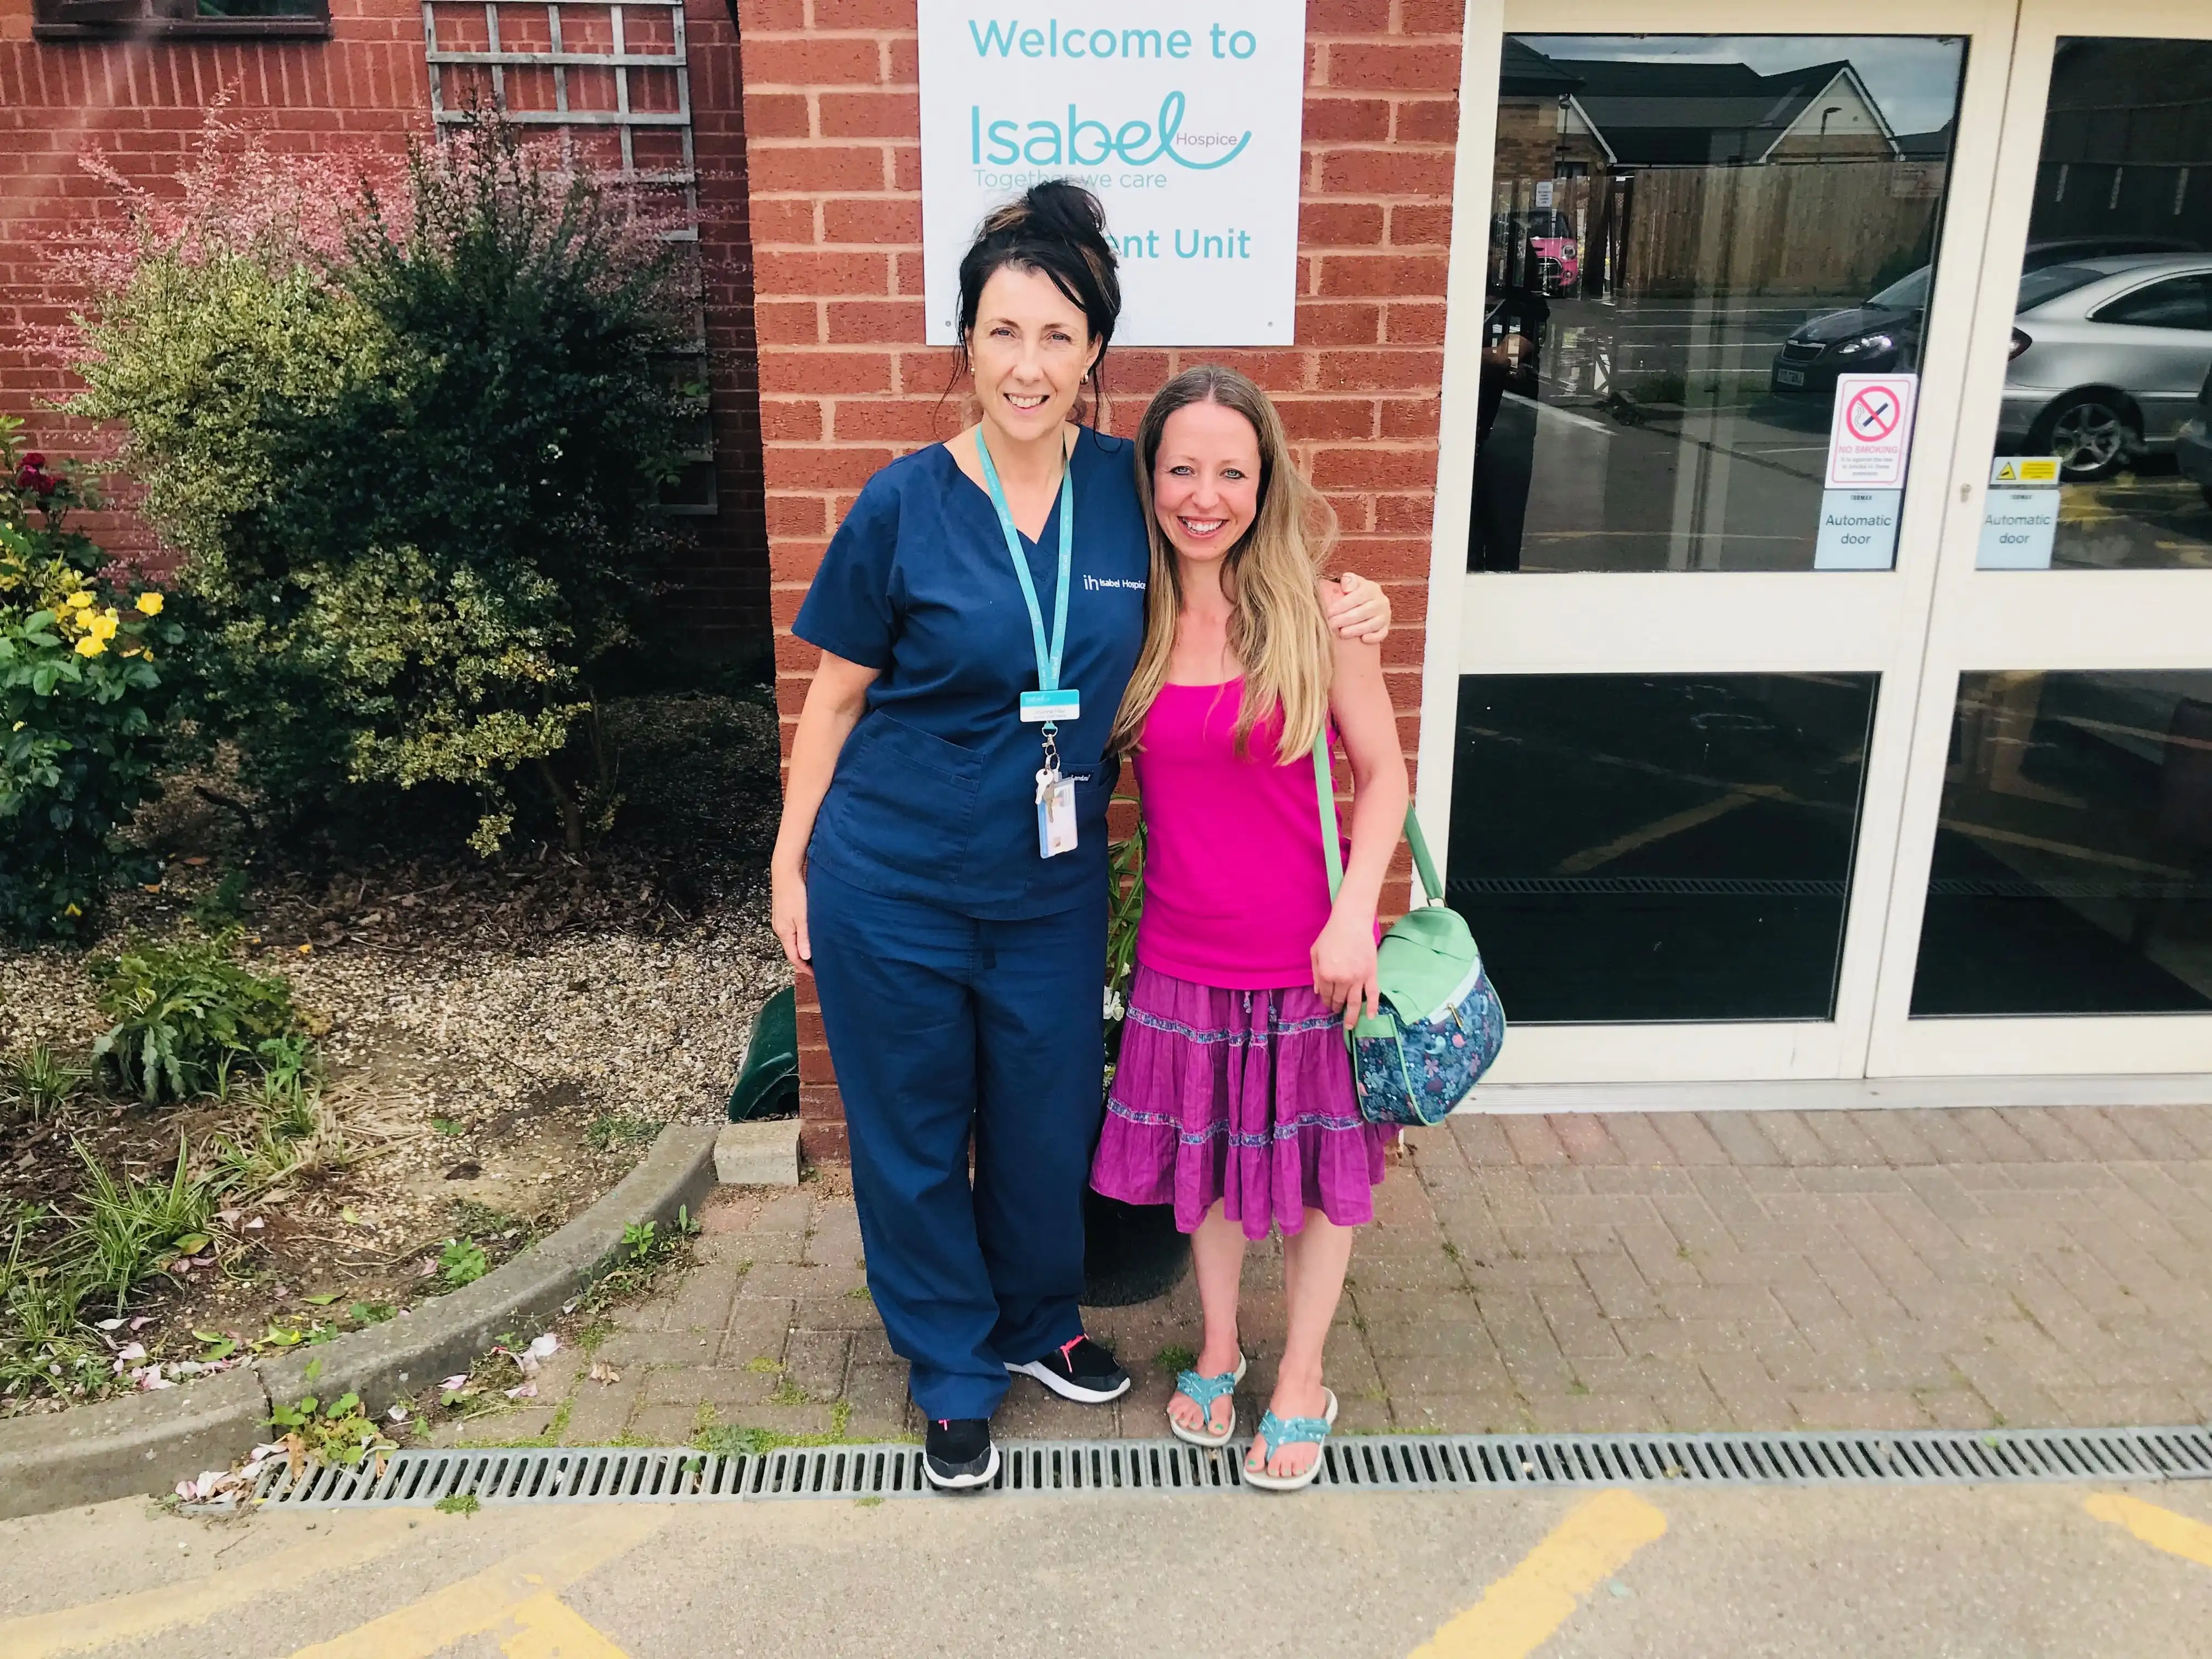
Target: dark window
x=2073 y=867
x=1659 y=847
x=70 y=20
x=2178 y=302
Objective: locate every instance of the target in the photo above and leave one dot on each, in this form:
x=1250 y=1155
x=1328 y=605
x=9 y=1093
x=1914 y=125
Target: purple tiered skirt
x=1238 y=1096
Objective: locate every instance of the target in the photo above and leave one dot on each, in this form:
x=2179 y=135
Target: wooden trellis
x=612 y=80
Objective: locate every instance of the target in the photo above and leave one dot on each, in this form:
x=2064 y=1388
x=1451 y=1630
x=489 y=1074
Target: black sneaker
x=1081 y=1371
x=957 y=1453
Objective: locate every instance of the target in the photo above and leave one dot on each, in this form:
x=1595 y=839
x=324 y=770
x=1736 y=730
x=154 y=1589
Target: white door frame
x=2032 y=619
x=1809 y=622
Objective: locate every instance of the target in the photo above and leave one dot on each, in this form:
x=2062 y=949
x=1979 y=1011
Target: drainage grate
x=587 y=1475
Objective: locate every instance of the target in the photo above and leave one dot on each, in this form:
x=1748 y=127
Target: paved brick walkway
x=1670 y=1271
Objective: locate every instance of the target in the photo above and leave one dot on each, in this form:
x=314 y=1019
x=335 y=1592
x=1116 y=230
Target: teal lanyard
x=1047 y=660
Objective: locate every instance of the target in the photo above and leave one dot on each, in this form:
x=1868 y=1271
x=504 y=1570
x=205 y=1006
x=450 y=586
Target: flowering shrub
x=82 y=701
x=410 y=447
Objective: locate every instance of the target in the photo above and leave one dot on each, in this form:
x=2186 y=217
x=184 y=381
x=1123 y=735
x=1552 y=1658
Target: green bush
x=83 y=708
x=37 y=1080
x=132 y=1228
x=185 y=1015
x=43 y=1341
x=414 y=473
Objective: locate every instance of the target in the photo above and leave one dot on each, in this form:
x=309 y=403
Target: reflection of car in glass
x=2192 y=445
x=1882 y=333
x=1549 y=253
x=2108 y=366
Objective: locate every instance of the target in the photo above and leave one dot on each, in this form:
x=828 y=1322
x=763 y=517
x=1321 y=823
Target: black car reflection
x=1882 y=333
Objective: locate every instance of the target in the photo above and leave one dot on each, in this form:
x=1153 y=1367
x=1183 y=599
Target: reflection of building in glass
x=2127 y=144
x=1663 y=230
x=2112 y=343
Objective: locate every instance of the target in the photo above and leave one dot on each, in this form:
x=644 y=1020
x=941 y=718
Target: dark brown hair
x=1060 y=229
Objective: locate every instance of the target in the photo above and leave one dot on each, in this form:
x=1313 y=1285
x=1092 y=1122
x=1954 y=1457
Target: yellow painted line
x=1580 y=863
x=551 y=1629
x=2160 y=1529
x=489 y=1598
x=2087 y=854
x=351 y=1542
x=1519 y=1613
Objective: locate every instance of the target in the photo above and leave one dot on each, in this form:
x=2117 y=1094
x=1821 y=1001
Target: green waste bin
x=767 y=1083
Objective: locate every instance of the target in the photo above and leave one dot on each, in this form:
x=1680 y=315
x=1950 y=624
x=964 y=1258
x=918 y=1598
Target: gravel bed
x=502 y=1041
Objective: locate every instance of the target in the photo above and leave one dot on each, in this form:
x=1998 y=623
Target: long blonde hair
x=1275 y=622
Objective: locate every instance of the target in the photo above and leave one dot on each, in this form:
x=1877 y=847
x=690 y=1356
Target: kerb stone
x=764 y=1154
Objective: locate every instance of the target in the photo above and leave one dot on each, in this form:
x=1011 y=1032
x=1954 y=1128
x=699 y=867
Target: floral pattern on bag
x=1418 y=1076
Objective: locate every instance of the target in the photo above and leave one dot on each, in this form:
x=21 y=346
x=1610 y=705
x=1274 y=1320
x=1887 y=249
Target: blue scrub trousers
x=941 y=1024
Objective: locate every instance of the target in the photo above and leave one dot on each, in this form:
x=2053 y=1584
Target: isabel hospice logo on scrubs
x=1185 y=126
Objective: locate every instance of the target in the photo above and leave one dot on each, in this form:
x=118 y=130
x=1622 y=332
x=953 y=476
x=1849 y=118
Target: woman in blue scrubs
x=941 y=864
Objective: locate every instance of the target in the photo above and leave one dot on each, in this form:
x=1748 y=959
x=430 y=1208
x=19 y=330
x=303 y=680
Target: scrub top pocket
x=905 y=795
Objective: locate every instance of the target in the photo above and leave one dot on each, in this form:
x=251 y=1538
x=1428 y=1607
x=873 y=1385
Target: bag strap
x=1325 y=788
x=1425 y=868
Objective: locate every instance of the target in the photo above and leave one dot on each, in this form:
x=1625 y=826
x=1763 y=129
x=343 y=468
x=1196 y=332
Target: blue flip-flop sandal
x=1202 y=1392
x=1282 y=1431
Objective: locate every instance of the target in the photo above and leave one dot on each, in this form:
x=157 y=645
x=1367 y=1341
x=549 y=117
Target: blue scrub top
x=934 y=797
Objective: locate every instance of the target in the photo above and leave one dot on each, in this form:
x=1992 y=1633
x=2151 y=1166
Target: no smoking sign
x=1872 y=431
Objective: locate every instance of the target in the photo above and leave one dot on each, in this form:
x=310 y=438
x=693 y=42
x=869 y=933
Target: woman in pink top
x=1233 y=1096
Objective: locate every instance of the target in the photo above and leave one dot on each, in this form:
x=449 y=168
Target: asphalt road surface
x=2012 y=1572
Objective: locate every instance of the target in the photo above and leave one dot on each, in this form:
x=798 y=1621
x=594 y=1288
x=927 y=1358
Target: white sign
x=1872 y=431
x=2019 y=528
x=1182 y=117
x=1858 y=530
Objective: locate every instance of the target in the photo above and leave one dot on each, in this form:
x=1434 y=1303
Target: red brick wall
x=831 y=106
x=143 y=103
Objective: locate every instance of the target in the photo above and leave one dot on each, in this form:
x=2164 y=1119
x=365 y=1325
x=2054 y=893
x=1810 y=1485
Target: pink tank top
x=1235 y=886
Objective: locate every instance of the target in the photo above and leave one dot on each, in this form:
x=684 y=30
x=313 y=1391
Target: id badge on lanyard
x=1051 y=702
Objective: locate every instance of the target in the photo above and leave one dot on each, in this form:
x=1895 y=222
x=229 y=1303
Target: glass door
x=1708 y=336
x=2053 y=901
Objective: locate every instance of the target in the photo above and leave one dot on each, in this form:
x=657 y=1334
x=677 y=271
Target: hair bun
x=1054 y=211
x=1061 y=208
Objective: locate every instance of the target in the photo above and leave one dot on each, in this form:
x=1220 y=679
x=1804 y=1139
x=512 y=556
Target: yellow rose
x=102 y=627
x=91 y=645
x=149 y=604
x=79 y=601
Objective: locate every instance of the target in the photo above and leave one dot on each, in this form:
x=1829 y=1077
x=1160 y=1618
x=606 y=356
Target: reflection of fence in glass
x=1685 y=253
x=1810 y=229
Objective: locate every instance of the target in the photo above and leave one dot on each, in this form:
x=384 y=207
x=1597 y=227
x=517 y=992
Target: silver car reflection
x=2107 y=356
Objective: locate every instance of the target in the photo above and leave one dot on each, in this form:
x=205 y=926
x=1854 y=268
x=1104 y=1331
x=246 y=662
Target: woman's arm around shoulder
x=1360 y=702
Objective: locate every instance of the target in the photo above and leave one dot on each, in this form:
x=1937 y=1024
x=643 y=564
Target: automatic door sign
x=1858 y=530
x=1872 y=431
x=2019 y=515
